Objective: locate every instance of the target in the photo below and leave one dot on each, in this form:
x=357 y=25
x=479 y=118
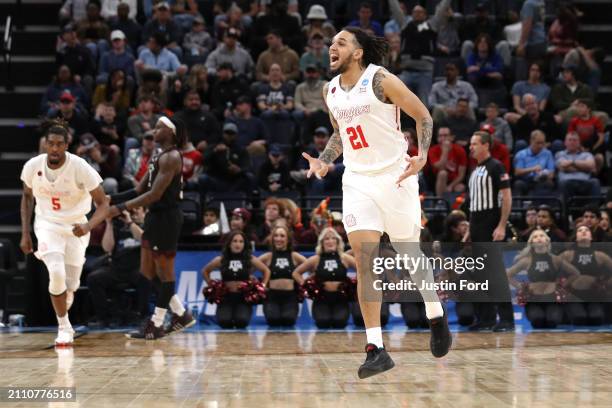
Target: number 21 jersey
x=372 y=139
x=66 y=199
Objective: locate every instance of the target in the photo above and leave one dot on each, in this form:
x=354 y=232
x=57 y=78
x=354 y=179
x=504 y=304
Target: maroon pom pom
x=560 y=291
x=214 y=292
x=523 y=294
x=348 y=289
x=312 y=289
x=254 y=291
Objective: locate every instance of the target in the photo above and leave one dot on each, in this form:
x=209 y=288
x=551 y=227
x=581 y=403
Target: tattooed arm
x=320 y=166
x=389 y=88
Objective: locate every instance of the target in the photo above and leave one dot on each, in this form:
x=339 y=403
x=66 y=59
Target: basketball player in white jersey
x=61 y=187
x=380 y=187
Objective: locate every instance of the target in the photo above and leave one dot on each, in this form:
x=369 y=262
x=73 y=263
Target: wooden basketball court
x=311 y=369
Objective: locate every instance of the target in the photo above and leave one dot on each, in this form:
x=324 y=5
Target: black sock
x=166 y=292
x=144 y=295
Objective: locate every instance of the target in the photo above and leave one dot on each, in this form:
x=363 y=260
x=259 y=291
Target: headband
x=168 y=123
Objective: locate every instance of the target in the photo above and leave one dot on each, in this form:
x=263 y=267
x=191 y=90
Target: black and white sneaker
x=441 y=338
x=147 y=332
x=377 y=361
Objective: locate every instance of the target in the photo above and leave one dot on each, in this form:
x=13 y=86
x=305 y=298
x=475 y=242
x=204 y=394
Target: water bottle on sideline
x=195 y=312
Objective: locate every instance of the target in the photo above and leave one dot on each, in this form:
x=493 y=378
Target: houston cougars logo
x=350 y=113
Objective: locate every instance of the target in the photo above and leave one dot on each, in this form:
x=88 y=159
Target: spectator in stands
x=484 y=65
x=63 y=82
x=545 y=221
x=162 y=23
x=184 y=13
x=202 y=126
x=604 y=223
x=531 y=220
x=392 y=27
x=121 y=242
x=445 y=94
x=499 y=150
x=240 y=220
x=227 y=166
x=564 y=94
x=93 y=32
x=534 y=168
x=193 y=166
x=156 y=56
x=447 y=41
x=273 y=210
x=318 y=24
x=143 y=121
x=482 y=23
x=332 y=182
x=275 y=102
x=532 y=86
x=77 y=57
x=197 y=80
x=280 y=54
x=588 y=63
x=448 y=163
x=562 y=36
x=320 y=218
x=310 y=109
x=576 y=169
x=117 y=58
x=197 y=43
x=532 y=43
x=535 y=119
x=393 y=60
x=78 y=122
x=365 y=21
x=591 y=131
x=107 y=128
x=274 y=172
x=226 y=90
x=127 y=25
x=137 y=162
x=590 y=218
x=317 y=54
x=503 y=133
x=460 y=122
x=73 y=10
x=251 y=130
x=110 y=8
x=276 y=18
x=234 y=20
x=230 y=51
x=104 y=159
x=115 y=91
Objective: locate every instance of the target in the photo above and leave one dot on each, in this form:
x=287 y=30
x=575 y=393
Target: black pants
x=585 y=313
x=281 y=307
x=100 y=281
x=544 y=315
x=414 y=315
x=465 y=313
x=331 y=312
x=482 y=225
x=358 y=317
x=233 y=312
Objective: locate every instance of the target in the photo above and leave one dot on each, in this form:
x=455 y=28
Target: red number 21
x=354 y=133
x=55 y=202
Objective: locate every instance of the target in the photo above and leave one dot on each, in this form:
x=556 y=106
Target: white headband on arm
x=168 y=123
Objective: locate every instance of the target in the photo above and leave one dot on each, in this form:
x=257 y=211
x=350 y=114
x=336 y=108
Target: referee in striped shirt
x=488 y=185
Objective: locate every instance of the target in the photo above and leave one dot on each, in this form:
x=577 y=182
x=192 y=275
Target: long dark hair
x=375 y=48
x=180 y=137
x=244 y=256
x=109 y=84
x=488 y=40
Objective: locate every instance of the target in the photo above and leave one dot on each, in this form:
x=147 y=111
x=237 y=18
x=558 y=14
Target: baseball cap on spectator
x=68 y=28
x=243 y=99
x=242 y=213
x=275 y=150
x=162 y=5
x=88 y=140
x=117 y=35
x=66 y=97
x=230 y=128
x=487 y=127
x=316 y=12
x=321 y=130
x=311 y=68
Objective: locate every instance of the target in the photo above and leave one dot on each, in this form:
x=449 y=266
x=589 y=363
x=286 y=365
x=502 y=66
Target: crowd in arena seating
x=246 y=78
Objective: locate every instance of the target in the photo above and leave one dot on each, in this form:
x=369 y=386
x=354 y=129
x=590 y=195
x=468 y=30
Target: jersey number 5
x=55 y=202
x=355 y=133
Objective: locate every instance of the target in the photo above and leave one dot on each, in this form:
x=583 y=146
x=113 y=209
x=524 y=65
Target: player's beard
x=343 y=67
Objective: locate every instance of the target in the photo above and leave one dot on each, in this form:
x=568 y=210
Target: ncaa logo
x=350 y=220
x=365 y=82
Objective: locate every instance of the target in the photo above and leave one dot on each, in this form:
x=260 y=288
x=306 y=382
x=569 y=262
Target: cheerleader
x=281 y=307
x=237 y=266
x=329 y=266
x=543 y=269
x=594 y=267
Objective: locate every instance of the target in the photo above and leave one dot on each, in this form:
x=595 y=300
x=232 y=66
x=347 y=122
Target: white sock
x=158 y=316
x=374 y=336
x=176 y=306
x=433 y=310
x=63 y=322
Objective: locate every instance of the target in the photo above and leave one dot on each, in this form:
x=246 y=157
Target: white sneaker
x=65 y=337
x=69 y=299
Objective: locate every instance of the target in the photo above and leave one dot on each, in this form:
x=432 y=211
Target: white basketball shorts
x=375 y=202
x=53 y=237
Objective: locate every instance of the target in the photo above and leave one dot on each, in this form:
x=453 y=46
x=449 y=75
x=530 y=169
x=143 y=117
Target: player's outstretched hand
x=415 y=164
x=26 y=244
x=317 y=167
x=81 y=229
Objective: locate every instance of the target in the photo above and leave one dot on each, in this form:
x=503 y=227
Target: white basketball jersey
x=372 y=139
x=66 y=200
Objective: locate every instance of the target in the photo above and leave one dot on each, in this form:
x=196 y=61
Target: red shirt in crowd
x=191 y=160
x=456 y=158
x=144 y=167
x=587 y=129
x=500 y=152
